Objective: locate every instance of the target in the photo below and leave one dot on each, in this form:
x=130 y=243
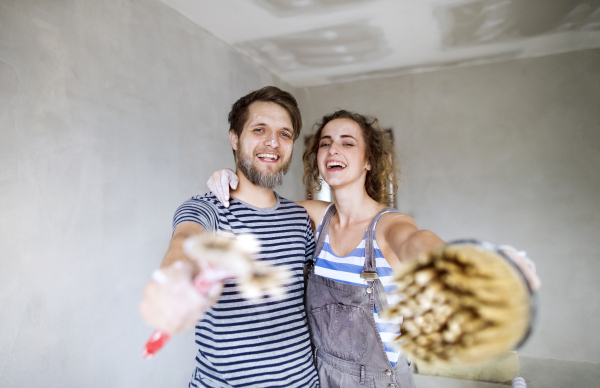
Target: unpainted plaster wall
x=112 y=113
x=508 y=152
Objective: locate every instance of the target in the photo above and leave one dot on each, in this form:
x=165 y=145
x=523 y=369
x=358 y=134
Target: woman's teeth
x=335 y=164
x=268 y=157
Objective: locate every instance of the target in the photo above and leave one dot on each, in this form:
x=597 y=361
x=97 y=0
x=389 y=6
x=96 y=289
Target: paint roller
x=223 y=257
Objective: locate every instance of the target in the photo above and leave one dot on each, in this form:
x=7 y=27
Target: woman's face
x=341 y=155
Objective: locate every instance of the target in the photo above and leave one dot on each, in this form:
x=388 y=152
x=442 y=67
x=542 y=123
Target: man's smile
x=268 y=157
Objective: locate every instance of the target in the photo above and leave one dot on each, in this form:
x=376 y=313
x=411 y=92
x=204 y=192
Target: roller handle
x=202 y=283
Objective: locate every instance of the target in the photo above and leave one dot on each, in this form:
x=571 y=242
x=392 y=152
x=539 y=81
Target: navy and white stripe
x=347 y=269
x=265 y=342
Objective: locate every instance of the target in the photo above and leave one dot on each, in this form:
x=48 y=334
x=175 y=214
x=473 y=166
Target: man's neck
x=252 y=194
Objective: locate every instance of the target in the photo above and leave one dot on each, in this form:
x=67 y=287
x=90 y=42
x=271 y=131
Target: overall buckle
x=369 y=275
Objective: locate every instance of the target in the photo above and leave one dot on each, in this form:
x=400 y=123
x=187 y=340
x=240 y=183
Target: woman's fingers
x=234 y=180
x=214 y=184
x=219 y=183
x=224 y=188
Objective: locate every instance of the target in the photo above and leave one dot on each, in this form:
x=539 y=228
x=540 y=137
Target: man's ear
x=233 y=138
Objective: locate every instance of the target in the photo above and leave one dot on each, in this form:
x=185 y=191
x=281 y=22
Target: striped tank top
x=347 y=270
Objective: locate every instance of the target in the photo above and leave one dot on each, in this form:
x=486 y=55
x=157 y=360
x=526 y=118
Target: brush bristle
x=461 y=304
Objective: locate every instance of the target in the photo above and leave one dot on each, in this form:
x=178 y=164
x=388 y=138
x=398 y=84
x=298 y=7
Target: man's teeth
x=335 y=164
x=268 y=156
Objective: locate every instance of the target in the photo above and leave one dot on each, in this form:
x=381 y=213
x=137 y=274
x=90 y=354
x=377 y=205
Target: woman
x=360 y=242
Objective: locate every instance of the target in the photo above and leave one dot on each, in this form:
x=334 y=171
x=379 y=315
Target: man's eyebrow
x=258 y=124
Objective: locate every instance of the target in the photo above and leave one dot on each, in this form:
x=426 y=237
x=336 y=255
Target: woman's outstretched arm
x=401 y=236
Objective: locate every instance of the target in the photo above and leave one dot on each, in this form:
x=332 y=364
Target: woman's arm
x=401 y=236
x=220 y=181
x=316 y=210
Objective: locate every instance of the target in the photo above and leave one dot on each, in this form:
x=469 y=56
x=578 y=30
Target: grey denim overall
x=348 y=348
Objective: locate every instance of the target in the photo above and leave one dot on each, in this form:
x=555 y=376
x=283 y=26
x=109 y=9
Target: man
x=260 y=343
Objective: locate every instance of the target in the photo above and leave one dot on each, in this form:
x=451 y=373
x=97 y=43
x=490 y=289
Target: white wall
x=508 y=152
x=112 y=113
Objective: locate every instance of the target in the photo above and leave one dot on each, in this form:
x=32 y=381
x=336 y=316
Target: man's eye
x=286 y=134
x=258 y=130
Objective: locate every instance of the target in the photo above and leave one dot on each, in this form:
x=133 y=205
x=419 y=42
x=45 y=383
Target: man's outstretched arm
x=171 y=303
x=175 y=252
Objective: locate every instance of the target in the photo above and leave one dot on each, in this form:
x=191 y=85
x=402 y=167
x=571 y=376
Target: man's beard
x=266 y=180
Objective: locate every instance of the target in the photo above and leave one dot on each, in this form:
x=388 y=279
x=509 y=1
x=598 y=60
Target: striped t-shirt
x=264 y=342
x=347 y=269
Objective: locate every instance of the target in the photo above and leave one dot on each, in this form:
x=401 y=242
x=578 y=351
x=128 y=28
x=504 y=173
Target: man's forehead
x=268 y=113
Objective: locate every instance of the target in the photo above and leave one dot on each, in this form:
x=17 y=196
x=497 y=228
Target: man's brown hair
x=239 y=110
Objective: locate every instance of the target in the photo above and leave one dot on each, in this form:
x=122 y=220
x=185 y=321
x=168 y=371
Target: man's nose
x=272 y=141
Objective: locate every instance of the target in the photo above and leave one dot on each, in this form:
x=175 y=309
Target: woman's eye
x=348 y=145
x=324 y=145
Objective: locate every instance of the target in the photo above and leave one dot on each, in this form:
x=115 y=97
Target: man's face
x=264 y=148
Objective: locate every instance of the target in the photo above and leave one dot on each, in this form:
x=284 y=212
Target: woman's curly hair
x=381 y=181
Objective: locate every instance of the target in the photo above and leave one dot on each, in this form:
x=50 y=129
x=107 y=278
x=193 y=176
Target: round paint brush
x=464 y=303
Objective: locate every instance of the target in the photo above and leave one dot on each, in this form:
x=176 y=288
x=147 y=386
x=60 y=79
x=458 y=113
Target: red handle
x=202 y=283
x=156 y=341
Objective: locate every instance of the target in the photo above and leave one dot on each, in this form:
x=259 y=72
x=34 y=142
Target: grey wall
x=112 y=113
x=508 y=152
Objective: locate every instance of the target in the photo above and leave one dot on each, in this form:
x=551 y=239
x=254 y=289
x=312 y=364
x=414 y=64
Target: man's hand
x=171 y=304
x=219 y=184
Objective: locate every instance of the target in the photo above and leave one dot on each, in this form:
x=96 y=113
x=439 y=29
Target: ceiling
x=318 y=42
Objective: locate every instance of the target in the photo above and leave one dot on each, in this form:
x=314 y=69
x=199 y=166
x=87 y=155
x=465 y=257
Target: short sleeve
x=197 y=210
x=310 y=244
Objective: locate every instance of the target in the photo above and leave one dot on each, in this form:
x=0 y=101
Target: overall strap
x=323 y=232
x=369 y=272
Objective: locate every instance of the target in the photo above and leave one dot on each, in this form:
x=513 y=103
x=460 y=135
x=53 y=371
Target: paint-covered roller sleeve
x=219 y=258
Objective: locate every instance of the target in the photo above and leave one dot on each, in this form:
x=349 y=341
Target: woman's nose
x=333 y=150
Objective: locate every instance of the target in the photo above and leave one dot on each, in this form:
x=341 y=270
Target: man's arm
x=175 y=252
x=171 y=303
